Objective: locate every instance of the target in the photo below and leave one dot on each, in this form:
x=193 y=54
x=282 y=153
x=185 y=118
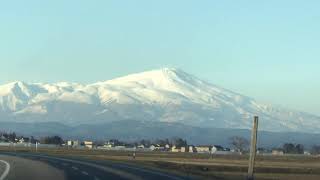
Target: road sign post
x=253 y=148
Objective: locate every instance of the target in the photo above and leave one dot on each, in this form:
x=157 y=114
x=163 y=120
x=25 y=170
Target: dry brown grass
x=202 y=165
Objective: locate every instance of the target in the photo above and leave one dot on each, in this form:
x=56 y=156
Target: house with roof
x=178 y=149
x=88 y=144
x=212 y=149
x=156 y=147
x=203 y=149
x=72 y=143
x=277 y=152
x=216 y=148
x=191 y=149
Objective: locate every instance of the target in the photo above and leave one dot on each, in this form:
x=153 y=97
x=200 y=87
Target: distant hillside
x=135 y=130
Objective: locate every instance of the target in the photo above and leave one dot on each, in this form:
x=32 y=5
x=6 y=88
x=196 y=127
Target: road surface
x=23 y=166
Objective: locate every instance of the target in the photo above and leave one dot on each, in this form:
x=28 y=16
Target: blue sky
x=268 y=50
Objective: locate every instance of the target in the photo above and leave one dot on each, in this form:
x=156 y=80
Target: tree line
x=13 y=137
x=239 y=144
x=179 y=142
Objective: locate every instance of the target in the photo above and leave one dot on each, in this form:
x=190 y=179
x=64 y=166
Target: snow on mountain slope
x=167 y=95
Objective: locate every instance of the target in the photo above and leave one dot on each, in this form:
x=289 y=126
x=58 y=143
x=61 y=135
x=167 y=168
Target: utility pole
x=36 y=146
x=253 y=148
x=134 y=153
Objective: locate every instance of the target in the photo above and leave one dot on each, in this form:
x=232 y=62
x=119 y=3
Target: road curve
x=75 y=169
x=21 y=168
x=6 y=170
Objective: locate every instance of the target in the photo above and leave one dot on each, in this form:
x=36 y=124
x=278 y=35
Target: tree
x=240 y=144
x=116 y=142
x=12 y=137
x=299 y=149
x=33 y=140
x=162 y=142
x=179 y=142
x=315 y=149
x=146 y=143
x=290 y=148
x=57 y=140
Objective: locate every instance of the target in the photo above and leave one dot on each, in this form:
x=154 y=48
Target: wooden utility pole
x=253 y=148
x=36 y=146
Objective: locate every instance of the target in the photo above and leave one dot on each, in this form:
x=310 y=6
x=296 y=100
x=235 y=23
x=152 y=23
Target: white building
x=21 y=140
x=191 y=149
x=167 y=146
x=88 y=144
x=73 y=143
x=156 y=147
x=69 y=143
x=203 y=149
x=178 y=149
x=277 y=152
x=216 y=149
x=307 y=153
x=108 y=145
x=76 y=143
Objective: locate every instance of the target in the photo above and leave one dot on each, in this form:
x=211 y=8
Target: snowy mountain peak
x=167 y=95
x=11 y=86
x=167 y=79
x=152 y=77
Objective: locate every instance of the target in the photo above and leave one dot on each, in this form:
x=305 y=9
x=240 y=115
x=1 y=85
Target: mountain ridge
x=164 y=95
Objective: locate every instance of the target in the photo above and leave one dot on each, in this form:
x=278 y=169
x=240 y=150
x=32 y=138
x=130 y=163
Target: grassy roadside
x=202 y=165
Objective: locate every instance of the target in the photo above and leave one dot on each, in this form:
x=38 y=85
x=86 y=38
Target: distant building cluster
x=13 y=138
x=175 y=146
x=114 y=145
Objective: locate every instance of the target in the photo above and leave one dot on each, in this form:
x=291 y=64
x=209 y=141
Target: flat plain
x=201 y=166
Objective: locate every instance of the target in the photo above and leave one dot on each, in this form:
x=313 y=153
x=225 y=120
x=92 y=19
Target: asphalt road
x=23 y=166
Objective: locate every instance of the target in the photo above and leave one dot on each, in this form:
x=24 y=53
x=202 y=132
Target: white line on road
x=6 y=171
x=120 y=173
x=85 y=173
x=95 y=178
x=73 y=167
x=65 y=164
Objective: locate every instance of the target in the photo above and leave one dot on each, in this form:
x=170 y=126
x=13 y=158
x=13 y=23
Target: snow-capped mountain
x=165 y=95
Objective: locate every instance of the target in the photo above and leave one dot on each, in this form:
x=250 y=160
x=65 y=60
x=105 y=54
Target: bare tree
x=315 y=149
x=240 y=144
x=290 y=148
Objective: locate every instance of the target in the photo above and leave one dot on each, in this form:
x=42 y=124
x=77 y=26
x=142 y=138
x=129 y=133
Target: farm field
x=201 y=166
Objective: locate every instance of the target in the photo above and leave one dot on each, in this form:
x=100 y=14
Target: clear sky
x=269 y=50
